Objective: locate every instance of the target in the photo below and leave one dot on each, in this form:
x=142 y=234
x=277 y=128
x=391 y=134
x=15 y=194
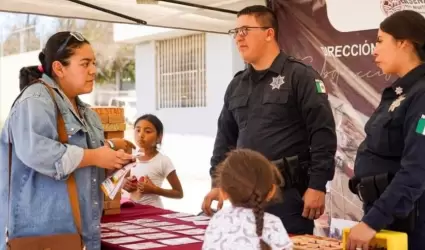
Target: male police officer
x=279 y=107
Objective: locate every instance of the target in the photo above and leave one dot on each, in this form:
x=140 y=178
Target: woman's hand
x=130 y=184
x=119 y=143
x=146 y=186
x=360 y=236
x=111 y=159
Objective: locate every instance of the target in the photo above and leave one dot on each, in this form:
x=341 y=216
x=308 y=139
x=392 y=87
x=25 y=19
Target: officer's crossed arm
x=408 y=184
x=317 y=114
x=227 y=135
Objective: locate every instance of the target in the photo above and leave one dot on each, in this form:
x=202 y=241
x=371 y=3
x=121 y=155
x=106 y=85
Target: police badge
x=396 y=103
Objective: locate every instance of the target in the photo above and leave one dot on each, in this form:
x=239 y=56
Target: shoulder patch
x=420 y=127
x=320 y=86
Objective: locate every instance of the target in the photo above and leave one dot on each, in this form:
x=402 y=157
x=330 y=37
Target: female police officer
x=390 y=164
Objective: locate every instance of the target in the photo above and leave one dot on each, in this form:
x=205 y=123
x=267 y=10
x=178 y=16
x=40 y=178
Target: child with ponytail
x=249 y=181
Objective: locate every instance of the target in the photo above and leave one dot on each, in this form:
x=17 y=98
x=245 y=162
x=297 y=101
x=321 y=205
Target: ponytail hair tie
x=40 y=68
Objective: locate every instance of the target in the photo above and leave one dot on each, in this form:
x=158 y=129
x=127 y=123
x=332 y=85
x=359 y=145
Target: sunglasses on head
x=78 y=36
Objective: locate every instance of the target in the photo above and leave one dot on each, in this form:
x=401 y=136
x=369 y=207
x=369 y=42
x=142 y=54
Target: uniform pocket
x=238 y=105
x=274 y=105
x=386 y=136
x=276 y=97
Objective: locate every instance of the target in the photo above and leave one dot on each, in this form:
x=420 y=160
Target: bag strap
x=71 y=182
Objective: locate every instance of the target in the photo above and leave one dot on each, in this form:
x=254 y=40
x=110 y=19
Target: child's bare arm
x=176 y=191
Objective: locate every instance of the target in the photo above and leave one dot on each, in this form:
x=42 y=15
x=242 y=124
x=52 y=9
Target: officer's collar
x=403 y=84
x=276 y=67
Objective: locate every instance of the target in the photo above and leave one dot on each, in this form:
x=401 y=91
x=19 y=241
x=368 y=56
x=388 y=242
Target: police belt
x=294 y=170
x=370 y=188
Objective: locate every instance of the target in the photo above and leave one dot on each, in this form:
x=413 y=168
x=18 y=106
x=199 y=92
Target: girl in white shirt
x=249 y=181
x=147 y=177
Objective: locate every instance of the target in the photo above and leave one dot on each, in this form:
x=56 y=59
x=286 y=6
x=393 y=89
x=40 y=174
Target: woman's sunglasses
x=75 y=35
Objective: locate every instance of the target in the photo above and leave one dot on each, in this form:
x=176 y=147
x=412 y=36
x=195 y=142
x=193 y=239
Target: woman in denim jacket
x=39 y=202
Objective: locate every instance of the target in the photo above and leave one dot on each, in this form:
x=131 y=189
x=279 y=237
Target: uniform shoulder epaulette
x=239 y=72
x=303 y=64
x=293 y=59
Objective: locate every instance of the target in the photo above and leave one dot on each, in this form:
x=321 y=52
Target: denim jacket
x=39 y=201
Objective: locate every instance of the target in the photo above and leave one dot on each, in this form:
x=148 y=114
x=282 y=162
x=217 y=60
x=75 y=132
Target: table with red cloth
x=132 y=211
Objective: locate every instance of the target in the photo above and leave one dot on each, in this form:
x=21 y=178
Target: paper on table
x=122 y=240
x=176 y=215
x=156 y=236
x=178 y=241
x=141 y=221
x=176 y=227
x=140 y=246
x=199 y=237
x=127 y=227
x=113 y=224
x=201 y=222
x=114 y=234
x=195 y=218
x=158 y=224
x=197 y=231
x=140 y=231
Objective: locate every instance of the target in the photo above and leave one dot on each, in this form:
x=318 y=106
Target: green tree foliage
x=24 y=33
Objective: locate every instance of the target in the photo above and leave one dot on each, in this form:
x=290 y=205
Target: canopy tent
x=202 y=15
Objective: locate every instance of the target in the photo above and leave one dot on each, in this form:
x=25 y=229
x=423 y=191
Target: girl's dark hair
x=247 y=177
x=60 y=47
x=156 y=122
x=407 y=25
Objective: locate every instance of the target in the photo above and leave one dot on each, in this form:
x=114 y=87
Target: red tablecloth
x=148 y=212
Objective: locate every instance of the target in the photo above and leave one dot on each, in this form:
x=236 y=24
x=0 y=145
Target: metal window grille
x=180 y=72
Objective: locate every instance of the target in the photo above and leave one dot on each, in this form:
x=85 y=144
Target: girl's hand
x=130 y=184
x=147 y=186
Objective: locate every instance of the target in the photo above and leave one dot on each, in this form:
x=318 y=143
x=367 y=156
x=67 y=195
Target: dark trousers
x=289 y=209
x=416 y=239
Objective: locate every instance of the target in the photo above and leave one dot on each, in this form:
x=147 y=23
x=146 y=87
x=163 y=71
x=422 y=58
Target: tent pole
x=136 y=20
x=194 y=5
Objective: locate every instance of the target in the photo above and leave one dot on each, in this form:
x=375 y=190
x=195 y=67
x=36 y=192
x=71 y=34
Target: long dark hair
x=60 y=47
x=247 y=177
x=407 y=25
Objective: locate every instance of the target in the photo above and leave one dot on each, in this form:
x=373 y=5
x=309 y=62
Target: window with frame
x=180 y=72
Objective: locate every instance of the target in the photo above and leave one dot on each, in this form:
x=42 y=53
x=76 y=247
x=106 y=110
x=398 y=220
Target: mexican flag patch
x=420 y=128
x=320 y=86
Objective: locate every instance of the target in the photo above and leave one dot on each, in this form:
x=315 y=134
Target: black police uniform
x=390 y=164
x=279 y=112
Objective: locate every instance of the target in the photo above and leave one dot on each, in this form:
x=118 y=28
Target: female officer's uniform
x=390 y=163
